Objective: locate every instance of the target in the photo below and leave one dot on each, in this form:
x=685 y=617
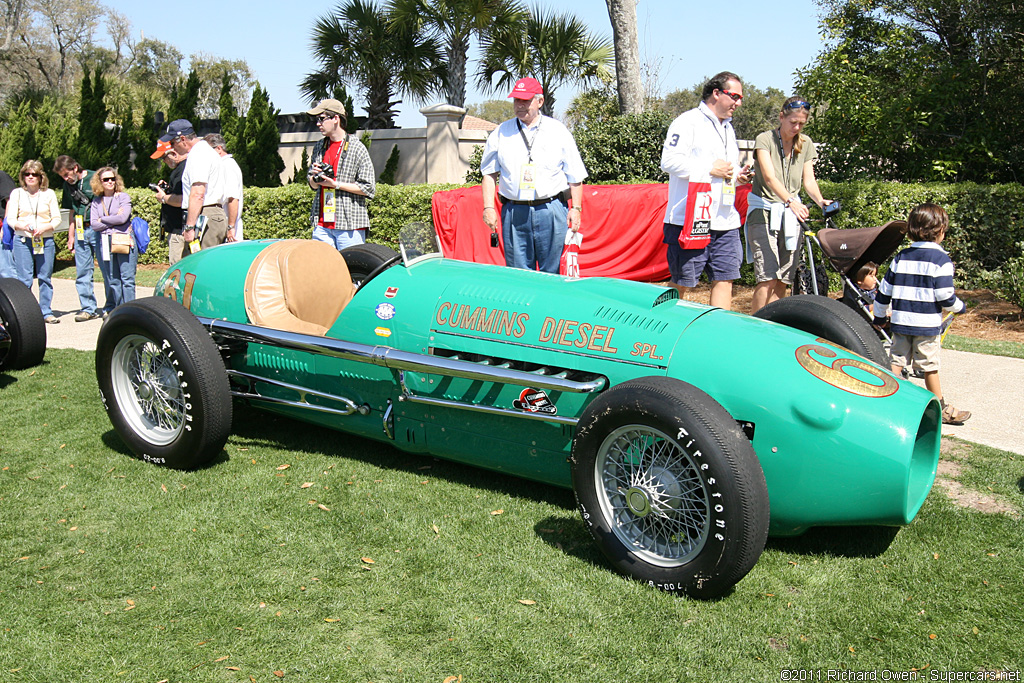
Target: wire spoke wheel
x=147 y=390
x=653 y=492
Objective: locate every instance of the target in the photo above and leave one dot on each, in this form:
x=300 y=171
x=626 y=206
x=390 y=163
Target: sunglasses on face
x=797 y=104
x=736 y=97
x=324 y=117
x=107 y=180
x=31 y=175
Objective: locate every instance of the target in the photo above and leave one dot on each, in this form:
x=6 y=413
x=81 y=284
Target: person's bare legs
x=721 y=294
x=765 y=293
x=931 y=383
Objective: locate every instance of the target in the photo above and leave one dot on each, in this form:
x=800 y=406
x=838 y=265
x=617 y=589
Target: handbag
x=696 y=232
x=570 y=262
x=120 y=243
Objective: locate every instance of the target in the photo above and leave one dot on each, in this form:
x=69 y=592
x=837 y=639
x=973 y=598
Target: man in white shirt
x=202 y=184
x=533 y=161
x=232 y=186
x=701 y=158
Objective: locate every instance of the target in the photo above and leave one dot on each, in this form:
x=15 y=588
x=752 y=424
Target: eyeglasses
x=796 y=104
x=736 y=97
x=31 y=175
x=107 y=180
x=324 y=117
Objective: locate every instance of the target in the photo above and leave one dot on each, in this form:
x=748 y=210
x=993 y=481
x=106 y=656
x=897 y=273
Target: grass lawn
x=145 y=276
x=991 y=347
x=308 y=555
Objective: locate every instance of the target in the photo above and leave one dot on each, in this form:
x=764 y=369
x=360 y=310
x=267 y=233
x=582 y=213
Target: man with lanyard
x=202 y=187
x=82 y=241
x=342 y=174
x=170 y=196
x=701 y=158
x=533 y=160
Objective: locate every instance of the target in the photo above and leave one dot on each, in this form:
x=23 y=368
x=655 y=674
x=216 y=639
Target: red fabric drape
x=622 y=229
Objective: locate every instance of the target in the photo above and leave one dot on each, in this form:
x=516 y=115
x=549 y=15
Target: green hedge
x=985 y=239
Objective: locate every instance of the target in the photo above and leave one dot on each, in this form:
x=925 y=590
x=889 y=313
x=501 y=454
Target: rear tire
x=366 y=260
x=830 y=320
x=21 y=317
x=670 y=487
x=163 y=383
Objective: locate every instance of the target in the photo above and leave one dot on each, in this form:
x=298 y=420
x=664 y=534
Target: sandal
x=51 y=319
x=952 y=416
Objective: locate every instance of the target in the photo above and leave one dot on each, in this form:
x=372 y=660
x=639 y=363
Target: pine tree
x=95 y=142
x=120 y=156
x=261 y=141
x=230 y=122
x=17 y=142
x=302 y=170
x=184 y=99
x=144 y=139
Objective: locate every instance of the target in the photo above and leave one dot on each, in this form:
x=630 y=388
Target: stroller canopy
x=848 y=250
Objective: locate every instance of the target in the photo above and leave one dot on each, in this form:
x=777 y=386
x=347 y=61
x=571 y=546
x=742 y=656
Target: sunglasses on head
x=736 y=97
x=796 y=104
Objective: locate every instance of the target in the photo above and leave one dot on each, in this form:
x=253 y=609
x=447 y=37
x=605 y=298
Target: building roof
x=474 y=123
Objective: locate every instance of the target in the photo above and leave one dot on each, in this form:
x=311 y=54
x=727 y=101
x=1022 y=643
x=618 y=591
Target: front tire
x=830 y=320
x=163 y=383
x=670 y=487
x=21 y=317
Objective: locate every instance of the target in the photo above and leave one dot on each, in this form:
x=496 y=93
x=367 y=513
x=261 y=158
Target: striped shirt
x=919 y=285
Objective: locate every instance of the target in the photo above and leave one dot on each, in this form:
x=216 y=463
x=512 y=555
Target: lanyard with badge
x=726 y=186
x=37 y=240
x=528 y=173
x=328 y=209
x=79 y=218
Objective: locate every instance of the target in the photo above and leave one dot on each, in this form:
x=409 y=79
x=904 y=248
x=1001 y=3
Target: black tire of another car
x=670 y=487
x=366 y=260
x=163 y=383
x=828 y=319
x=21 y=317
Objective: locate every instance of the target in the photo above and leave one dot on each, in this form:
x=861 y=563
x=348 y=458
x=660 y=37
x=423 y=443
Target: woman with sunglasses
x=33 y=214
x=111 y=216
x=783 y=162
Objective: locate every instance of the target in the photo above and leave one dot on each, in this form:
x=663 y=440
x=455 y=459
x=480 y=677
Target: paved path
x=991 y=387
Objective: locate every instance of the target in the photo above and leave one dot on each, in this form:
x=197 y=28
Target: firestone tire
x=163 y=383
x=670 y=487
x=830 y=320
x=21 y=317
x=364 y=261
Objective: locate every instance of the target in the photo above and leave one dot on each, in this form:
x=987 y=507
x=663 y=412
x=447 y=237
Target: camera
x=79 y=196
x=494 y=240
x=832 y=209
x=158 y=187
x=320 y=171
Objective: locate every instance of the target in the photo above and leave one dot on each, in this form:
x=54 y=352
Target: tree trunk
x=627 y=55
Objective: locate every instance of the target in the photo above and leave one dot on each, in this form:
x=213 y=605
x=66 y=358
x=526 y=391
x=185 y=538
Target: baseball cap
x=526 y=88
x=177 y=128
x=161 y=149
x=332 y=106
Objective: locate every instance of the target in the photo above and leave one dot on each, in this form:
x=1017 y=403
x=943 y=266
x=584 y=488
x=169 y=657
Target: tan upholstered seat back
x=298 y=286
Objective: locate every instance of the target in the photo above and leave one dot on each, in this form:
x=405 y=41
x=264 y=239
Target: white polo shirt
x=203 y=166
x=557 y=161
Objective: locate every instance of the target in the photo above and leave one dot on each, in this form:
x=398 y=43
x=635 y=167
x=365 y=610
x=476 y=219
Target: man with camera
x=202 y=186
x=82 y=241
x=342 y=174
x=169 y=194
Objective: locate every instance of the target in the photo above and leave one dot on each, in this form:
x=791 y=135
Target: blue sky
x=764 y=42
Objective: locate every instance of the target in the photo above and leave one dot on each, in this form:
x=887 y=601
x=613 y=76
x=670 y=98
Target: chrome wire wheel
x=651 y=490
x=148 y=390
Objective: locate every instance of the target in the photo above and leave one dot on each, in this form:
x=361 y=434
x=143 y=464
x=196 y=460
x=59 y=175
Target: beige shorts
x=918 y=353
x=771 y=259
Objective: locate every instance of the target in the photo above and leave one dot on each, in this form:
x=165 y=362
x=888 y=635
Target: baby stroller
x=848 y=250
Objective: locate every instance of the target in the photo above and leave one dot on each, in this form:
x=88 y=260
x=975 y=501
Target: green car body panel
x=840 y=440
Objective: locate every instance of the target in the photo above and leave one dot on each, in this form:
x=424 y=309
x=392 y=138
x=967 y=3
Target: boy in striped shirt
x=919 y=286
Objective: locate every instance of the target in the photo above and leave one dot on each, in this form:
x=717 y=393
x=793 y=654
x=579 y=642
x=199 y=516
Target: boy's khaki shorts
x=918 y=353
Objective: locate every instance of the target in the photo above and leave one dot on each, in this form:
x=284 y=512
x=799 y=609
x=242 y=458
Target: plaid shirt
x=355 y=167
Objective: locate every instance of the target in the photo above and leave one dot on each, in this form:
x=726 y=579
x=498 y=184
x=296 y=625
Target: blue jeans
x=534 y=235
x=40 y=266
x=85 y=252
x=7 y=263
x=339 y=239
x=119 y=278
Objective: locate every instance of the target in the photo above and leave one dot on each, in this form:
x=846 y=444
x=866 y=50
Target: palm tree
x=354 y=45
x=453 y=23
x=554 y=49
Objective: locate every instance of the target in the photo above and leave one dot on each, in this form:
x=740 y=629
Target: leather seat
x=299 y=286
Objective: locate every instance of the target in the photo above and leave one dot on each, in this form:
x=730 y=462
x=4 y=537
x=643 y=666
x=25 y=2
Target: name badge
x=328 y=212
x=728 y=194
x=79 y=228
x=37 y=244
x=528 y=183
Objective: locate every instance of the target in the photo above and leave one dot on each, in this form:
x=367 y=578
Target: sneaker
x=51 y=319
x=952 y=416
x=83 y=316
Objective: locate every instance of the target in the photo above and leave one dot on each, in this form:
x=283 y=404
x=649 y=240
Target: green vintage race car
x=687 y=433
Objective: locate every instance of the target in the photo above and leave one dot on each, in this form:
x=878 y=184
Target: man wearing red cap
x=534 y=162
x=170 y=195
